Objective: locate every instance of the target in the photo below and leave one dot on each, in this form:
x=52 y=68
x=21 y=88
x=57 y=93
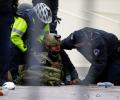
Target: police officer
x=7 y=10
x=28 y=32
x=100 y=48
x=53 y=4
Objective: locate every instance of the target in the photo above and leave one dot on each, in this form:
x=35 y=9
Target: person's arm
x=41 y=37
x=99 y=63
x=18 y=29
x=75 y=38
x=68 y=66
x=68 y=43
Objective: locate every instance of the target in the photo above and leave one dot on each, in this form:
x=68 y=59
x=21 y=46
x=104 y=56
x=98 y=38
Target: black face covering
x=53 y=55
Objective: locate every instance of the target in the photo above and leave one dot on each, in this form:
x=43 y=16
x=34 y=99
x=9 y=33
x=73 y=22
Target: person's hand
x=75 y=82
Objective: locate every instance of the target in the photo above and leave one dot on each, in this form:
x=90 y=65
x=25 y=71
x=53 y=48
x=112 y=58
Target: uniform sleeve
x=98 y=63
x=68 y=66
x=68 y=43
x=18 y=30
x=74 y=38
x=40 y=38
x=46 y=28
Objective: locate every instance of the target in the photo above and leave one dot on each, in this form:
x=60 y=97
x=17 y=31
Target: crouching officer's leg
x=114 y=72
x=114 y=67
x=16 y=64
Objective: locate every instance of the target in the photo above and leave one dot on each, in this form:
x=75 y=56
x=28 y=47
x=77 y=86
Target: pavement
x=63 y=93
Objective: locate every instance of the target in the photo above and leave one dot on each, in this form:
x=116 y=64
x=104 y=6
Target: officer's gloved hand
x=51 y=76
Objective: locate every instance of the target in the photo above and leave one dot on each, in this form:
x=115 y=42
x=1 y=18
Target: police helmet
x=43 y=12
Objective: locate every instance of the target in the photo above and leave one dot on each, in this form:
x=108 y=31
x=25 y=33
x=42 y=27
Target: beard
x=53 y=55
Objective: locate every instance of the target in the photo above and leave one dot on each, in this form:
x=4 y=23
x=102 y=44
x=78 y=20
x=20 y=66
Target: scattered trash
x=105 y=84
x=86 y=95
x=8 y=85
x=98 y=95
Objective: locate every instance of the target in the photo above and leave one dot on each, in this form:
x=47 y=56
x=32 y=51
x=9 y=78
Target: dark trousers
x=5 y=29
x=114 y=72
x=17 y=57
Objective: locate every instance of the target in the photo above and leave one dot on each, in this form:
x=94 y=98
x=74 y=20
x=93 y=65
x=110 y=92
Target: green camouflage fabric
x=51 y=76
x=46 y=75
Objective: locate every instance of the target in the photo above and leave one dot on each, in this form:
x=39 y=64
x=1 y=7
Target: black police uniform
x=6 y=18
x=53 y=4
x=100 y=49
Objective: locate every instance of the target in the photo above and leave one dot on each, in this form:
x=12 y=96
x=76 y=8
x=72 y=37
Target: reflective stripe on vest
x=17 y=31
x=19 y=26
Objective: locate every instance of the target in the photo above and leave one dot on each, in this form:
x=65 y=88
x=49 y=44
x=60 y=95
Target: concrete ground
x=63 y=93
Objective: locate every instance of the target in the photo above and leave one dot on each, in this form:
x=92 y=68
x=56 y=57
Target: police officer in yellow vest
x=33 y=21
x=27 y=32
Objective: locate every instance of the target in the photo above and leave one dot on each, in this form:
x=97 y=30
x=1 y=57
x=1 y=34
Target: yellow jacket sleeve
x=46 y=28
x=18 y=30
x=40 y=38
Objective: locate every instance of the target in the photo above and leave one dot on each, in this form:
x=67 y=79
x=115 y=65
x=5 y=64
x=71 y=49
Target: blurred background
x=76 y=14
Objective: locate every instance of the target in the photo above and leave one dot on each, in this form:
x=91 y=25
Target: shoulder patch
x=96 y=52
x=71 y=37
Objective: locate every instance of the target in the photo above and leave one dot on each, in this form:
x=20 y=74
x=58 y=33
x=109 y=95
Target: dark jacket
x=7 y=6
x=98 y=47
